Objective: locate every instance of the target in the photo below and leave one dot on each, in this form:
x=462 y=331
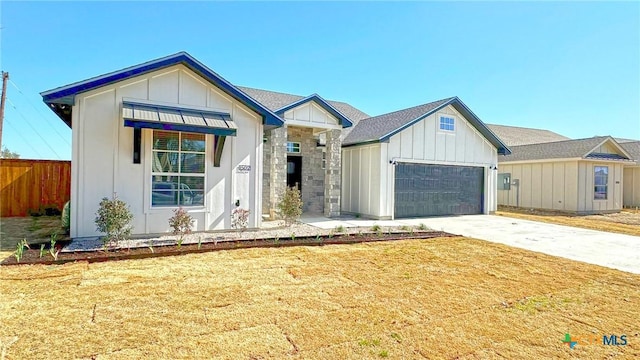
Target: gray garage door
x=431 y=190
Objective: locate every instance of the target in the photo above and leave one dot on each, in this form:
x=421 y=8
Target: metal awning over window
x=138 y=114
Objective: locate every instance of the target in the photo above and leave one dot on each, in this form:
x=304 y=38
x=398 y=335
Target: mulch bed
x=32 y=256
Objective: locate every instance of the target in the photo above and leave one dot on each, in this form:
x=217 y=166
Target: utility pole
x=5 y=77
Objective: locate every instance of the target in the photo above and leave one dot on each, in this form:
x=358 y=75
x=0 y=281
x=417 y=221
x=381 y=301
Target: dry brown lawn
x=451 y=298
x=624 y=222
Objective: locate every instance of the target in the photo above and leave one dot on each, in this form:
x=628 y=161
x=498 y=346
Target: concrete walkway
x=612 y=250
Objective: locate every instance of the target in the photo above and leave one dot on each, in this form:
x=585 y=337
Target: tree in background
x=8 y=154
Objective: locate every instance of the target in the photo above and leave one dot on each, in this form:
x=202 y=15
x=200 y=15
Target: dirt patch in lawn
x=624 y=222
x=36 y=229
x=437 y=298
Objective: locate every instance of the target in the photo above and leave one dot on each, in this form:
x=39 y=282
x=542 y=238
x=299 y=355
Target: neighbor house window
x=447 y=123
x=600 y=182
x=293 y=147
x=177 y=168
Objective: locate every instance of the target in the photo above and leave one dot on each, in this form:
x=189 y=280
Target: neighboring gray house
x=581 y=175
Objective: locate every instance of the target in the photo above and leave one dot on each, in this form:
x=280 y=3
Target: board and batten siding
x=102 y=154
x=361 y=180
x=310 y=114
x=560 y=185
x=368 y=177
x=631 y=186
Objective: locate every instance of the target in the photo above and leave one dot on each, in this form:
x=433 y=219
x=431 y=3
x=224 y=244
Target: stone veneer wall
x=333 y=174
x=277 y=173
x=266 y=173
x=315 y=197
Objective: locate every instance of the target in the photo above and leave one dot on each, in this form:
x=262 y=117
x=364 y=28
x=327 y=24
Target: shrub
x=181 y=223
x=113 y=218
x=66 y=217
x=240 y=219
x=290 y=206
x=51 y=210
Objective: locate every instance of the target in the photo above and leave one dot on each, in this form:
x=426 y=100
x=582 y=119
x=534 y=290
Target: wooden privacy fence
x=31 y=185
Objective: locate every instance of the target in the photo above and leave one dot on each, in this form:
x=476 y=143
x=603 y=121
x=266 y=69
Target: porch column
x=333 y=174
x=277 y=169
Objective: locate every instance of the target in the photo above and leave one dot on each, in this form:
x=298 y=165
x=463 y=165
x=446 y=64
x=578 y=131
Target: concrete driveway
x=612 y=250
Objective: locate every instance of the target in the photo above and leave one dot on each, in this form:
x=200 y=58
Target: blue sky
x=573 y=68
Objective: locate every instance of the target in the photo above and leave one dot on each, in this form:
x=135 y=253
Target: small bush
x=376 y=228
x=240 y=219
x=51 y=210
x=290 y=206
x=66 y=217
x=113 y=218
x=339 y=229
x=422 y=227
x=181 y=223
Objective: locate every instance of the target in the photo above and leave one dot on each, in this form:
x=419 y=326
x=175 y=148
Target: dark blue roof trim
x=66 y=94
x=138 y=124
x=468 y=115
x=344 y=121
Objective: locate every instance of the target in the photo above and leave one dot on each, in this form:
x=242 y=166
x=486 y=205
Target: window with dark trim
x=600 y=182
x=177 y=168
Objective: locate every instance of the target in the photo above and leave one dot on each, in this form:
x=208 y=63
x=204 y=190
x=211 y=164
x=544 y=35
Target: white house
x=434 y=159
x=163 y=134
x=171 y=132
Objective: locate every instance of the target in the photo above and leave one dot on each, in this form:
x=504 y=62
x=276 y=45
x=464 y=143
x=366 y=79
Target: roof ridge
x=410 y=108
x=522 y=127
x=276 y=92
x=563 y=141
x=300 y=96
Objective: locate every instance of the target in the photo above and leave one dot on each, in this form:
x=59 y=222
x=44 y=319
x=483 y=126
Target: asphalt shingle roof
x=276 y=100
x=376 y=127
x=553 y=150
x=515 y=135
x=633 y=148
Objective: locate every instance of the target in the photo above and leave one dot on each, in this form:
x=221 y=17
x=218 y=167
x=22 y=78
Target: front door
x=294 y=172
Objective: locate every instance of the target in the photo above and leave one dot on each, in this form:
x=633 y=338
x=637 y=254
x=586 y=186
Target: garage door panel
x=432 y=190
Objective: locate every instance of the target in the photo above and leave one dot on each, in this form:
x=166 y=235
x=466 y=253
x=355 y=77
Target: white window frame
x=445 y=123
x=292 y=146
x=606 y=185
x=177 y=174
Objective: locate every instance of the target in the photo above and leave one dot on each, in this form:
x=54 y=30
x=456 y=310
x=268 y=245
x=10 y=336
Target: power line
x=34 y=129
x=23 y=138
x=39 y=112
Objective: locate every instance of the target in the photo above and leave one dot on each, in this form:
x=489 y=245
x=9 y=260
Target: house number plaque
x=243 y=169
